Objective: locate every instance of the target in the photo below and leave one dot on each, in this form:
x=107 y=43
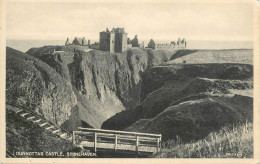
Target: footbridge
x=100 y=139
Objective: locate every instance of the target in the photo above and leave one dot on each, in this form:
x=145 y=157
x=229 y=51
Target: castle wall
x=129 y=46
x=120 y=42
x=112 y=43
x=124 y=41
x=169 y=46
x=104 y=40
x=165 y=47
x=182 y=46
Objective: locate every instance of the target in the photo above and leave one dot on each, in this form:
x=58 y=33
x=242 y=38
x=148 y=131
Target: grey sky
x=162 y=21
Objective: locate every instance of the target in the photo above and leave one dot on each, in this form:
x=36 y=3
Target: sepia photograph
x=120 y=79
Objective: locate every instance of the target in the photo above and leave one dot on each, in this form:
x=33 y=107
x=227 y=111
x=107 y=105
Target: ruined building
x=135 y=42
x=113 y=41
x=129 y=43
x=67 y=42
x=142 y=45
x=78 y=41
x=181 y=44
x=151 y=44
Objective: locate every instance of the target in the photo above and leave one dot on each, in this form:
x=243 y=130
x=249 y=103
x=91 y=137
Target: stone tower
x=184 y=43
x=135 y=42
x=114 y=41
x=67 y=42
x=179 y=42
x=151 y=44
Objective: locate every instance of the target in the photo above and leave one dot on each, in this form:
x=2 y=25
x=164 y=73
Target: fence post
x=115 y=141
x=73 y=139
x=137 y=143
x=95 y=142
x=158 y=144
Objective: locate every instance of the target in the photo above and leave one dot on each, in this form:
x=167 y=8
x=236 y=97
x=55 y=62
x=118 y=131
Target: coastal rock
x=170 y=86
x=34 y=85
x=104 y=83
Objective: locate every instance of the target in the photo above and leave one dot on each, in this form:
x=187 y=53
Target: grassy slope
x=201 y=149
x=34 y=85
x=181 y=53
x=229 y=142
x=165 y=85
x=244 y=56
x=28 y=137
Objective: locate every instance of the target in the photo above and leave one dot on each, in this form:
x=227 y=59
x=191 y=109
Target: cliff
x=24 y=136
x=189 y=100
x=34 y=85
x=137 y=90
x=196 y=118
x=103 y=83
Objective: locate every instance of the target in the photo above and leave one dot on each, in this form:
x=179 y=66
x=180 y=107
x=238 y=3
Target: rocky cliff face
x=194 y=119
x=103 y=83
x=162 y=85
x=26 y=136
x=34 y=85
x=189 y=100
x=75 y=87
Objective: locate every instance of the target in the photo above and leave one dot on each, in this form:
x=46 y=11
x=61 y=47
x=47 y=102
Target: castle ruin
x=114 y=41
x=181 y=44
x=78 y=41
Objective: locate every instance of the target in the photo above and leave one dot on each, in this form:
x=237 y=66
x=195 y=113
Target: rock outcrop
x=34 y=85
x=177 y=94
x=24 y=136
x=104 y=83
x=195 y=119
x=137 y=90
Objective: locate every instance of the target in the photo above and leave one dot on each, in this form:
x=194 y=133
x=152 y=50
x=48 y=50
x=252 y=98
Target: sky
x=161 y=21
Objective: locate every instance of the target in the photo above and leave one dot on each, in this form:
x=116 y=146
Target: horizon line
x=146 y=39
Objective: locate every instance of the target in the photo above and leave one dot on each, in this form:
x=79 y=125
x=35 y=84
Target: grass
x=229 y=142
x=25 y=136
x=244 y=56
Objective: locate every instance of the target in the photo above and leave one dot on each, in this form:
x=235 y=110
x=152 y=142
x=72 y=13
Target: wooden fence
x=116 y=140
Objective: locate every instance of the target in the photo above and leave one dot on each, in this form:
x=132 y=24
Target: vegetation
x=188 y=100
x=34 y=85
x=25 y=136
x=243 y=56
x=229 y=142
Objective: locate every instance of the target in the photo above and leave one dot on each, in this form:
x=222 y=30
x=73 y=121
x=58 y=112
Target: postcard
x=130 y=81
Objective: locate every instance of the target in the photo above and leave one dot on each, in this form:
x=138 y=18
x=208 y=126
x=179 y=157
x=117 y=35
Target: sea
x=25 y=45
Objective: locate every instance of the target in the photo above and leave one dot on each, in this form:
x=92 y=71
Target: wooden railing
x=116 y=140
